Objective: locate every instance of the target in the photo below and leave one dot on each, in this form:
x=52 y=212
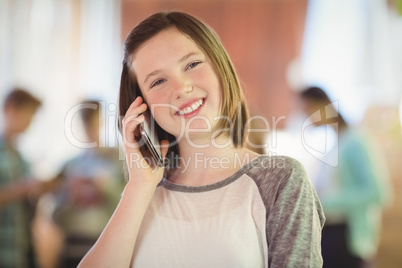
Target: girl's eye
x=193 y=64
x=157 y=82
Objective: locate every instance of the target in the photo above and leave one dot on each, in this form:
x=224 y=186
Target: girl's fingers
x=136 y=107
x=134 y=158
x=130 y=125
x=131 y=121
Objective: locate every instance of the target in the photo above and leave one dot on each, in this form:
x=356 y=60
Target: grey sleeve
x=294 y=214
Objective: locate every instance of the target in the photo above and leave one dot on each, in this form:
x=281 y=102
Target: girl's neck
x=209 y=163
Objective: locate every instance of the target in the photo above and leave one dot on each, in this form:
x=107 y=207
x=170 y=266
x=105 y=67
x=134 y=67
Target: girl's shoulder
x=282 y=181
x=274 y=166
x=276 y=174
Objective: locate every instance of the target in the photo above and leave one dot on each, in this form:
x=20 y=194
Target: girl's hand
x=138 y=168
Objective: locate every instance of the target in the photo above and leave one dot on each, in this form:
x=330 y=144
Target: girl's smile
x=190 y=108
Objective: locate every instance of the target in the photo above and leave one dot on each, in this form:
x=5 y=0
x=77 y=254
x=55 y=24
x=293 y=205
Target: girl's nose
x=182 y=87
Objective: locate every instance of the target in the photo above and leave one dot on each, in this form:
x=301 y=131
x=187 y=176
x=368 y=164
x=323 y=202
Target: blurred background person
x=91 y=189
x=18 y=190
x=353 y=193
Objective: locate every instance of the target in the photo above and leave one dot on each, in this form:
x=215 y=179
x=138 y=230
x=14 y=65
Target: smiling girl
x=219 y=204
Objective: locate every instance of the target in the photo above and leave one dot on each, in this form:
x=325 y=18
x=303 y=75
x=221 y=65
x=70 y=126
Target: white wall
x=353 y=48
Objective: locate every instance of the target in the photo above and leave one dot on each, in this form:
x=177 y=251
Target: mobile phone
x=151 y=141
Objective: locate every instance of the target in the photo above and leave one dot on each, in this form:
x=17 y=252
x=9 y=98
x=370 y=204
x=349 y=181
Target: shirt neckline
x=205 y=188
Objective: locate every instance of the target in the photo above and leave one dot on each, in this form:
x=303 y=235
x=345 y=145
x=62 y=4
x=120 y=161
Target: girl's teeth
x=193 y=107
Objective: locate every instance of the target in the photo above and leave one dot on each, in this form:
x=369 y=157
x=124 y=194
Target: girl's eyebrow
x=151 y=74
x=185 y=57
x=188 y=55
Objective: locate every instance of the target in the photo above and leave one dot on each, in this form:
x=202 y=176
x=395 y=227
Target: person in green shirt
x=353 y=193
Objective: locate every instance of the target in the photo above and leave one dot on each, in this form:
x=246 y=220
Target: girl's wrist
x=139 y=187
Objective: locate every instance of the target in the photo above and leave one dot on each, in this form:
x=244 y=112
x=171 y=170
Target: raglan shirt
x=265 y=215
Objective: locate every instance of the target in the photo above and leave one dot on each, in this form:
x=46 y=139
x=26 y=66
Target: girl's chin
x=195 y=128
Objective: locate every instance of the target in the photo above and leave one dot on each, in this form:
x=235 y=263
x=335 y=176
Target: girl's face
x=178 y=83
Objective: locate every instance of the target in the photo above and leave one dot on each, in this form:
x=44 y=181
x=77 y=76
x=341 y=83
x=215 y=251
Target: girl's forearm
x=115 y=246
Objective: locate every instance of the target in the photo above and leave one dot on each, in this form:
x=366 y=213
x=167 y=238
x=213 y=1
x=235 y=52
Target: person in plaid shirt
x=16 y=186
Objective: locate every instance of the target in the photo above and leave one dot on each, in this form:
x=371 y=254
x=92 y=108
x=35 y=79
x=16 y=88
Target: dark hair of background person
x=21 y=98
x=88 y=113
x=318 y=96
